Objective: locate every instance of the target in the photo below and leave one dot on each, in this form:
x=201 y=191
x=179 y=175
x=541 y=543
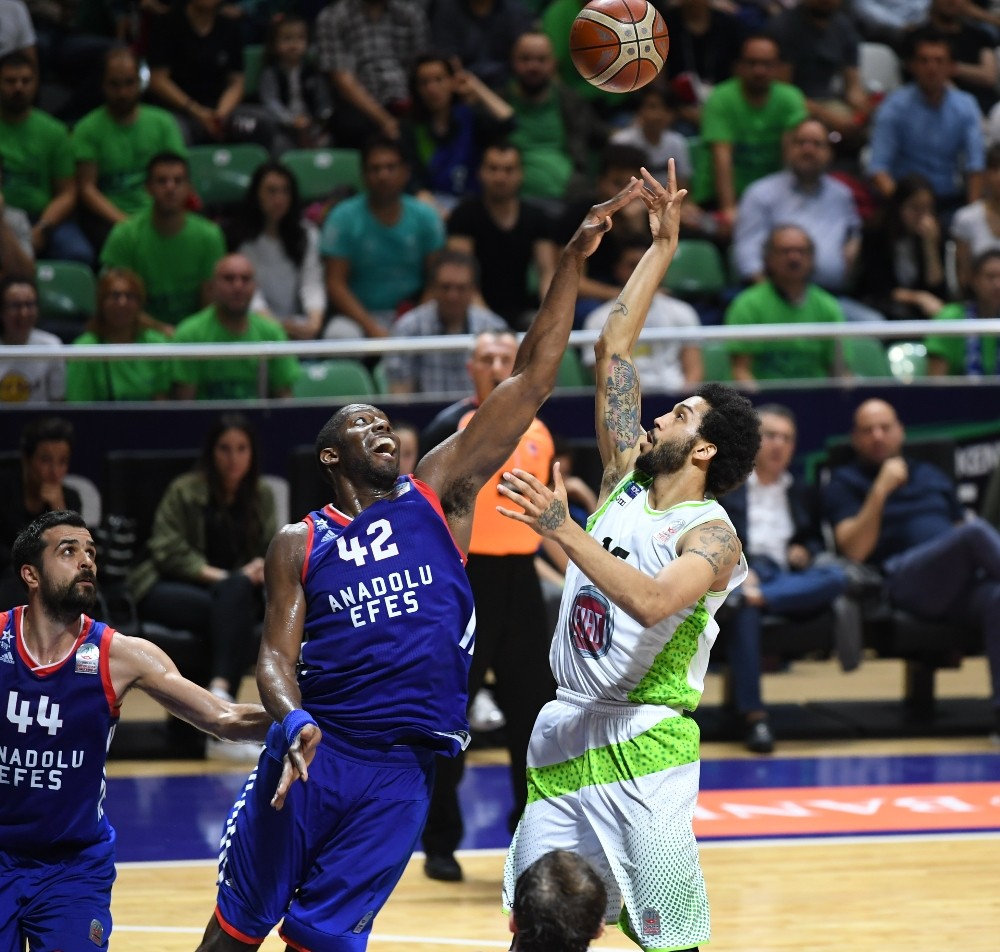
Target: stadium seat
x=321 y=171
x=715 y=359
x=696 y=271
x=65 y=289
x=253 y=63
x=866 y=357
x=572 y=373
x=220 y=174
x=879 y=67
x=381 y=377
x=334 y=378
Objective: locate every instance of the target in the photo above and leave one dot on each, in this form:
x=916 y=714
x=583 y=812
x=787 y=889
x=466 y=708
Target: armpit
x=459 y=498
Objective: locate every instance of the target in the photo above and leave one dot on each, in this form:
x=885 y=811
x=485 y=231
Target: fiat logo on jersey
x=590 y=623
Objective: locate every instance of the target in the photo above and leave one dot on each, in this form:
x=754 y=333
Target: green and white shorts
x=617 y=784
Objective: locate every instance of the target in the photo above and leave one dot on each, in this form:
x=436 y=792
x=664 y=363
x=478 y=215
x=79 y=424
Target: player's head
x=357 y=444
x=56 y=560
x=717 y=431
x=877 y=434
x=559 y=904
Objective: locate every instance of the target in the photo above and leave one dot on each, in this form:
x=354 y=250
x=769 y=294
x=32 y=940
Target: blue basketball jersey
x=390 y=624
x=56 y=726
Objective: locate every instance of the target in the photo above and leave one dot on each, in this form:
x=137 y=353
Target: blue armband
x=293 y=723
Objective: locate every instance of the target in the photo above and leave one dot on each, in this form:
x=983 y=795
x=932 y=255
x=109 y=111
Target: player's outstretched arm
x=137 y=663
x=277 y=682
x=709 y=555
x=474 y=455
x=618 y=399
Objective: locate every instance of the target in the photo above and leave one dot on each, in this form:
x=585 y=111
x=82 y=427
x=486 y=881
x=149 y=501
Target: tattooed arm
x=618 y=404
x=706 y=557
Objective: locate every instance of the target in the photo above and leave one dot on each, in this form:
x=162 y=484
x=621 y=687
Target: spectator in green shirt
x=976 y=354
x=38 y=165
x=113 y=145
x=786 y=296
x=743 y=123
x=120 y=298
x=172 y=249
x=228 y=319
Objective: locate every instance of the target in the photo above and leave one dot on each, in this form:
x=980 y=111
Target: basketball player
x=65 y=677
x=365 y=657
x=613 y=762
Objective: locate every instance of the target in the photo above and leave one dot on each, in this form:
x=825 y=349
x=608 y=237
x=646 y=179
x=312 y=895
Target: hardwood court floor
x=851 y=881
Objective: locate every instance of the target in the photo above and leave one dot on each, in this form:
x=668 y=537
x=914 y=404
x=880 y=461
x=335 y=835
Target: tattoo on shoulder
x=717 y=545
x=621 y=414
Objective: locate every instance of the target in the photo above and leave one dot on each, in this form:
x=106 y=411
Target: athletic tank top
x=598 y=649
x=55 y=729
x=390 y=624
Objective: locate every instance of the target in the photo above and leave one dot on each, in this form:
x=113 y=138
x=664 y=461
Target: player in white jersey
x=613 y=763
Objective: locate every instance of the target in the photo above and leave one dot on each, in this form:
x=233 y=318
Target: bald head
x=233 y=286
x=877 y=434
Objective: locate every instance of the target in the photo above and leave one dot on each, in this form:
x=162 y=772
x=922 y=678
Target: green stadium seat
x=715 y=359
x=253 y=63
x=220 y=174
x=866 y=357
x=65 y=289
x=696 y=271
x=334 y=378
x=320 y=171
x=572 y=373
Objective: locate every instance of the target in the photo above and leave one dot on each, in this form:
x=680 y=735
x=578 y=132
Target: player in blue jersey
x=63 y=677
x=364 y=663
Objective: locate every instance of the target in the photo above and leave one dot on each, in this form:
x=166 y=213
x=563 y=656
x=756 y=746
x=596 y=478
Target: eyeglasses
x=121 y=296
x=21 y=306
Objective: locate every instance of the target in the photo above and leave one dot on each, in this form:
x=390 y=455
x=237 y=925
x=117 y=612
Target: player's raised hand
x=663 y=204
x=598 y=220
x=296 y=763
x=546 y=509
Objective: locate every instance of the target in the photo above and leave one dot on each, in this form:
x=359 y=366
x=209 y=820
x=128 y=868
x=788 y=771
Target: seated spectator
x=929 y=127
x=555 y=129
x=283 y=247
x=448 y=310
x=787 y=295
x=901 y=272
x=113 y=146
x=975 y=355
x=205 y=571
x=38 y=165
x=902 y=516
x=507 y=235
x=776 y=521
x=559 y=905
x=367 y=48
x=377 y=247
x=651 y=130
x=409 y=445
x=196 y=71
x=972 y=49
x=26 y=381
x=18 y=34
x=818 y=46
x=17 y=256
x=120 y=299
x=888 y=21
x=31 y=488
x=705 y=42
x=481 y=34
x=172 y=249
x=619 y=164
x=804 y=194
x=292 y=89
x=229 y=319
x=743 y=124
x=453 y=116
x=976 y=227
x=673 y=366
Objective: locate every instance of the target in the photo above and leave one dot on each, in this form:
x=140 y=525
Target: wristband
x=294 y=722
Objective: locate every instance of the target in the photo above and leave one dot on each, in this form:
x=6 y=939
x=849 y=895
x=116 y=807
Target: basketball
x=619 y=45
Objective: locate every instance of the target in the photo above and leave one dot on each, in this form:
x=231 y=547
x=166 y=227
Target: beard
x=377 y=474
x=665 y=458
x=67 y=602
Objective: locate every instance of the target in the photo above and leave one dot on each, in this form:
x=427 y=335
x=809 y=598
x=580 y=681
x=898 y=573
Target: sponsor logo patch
x=591 y=623
x=669 y=530
x=650 y=922
x=88 y=659
x=96 y=929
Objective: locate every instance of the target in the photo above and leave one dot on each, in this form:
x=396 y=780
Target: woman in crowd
x=976 y=227
x=205 y=570
x=120 y=299
x=284 y=249
x=902 y=255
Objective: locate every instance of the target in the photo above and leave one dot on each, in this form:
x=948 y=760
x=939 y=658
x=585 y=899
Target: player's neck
x=671 y=489
x=46 y=639
x=354 y=499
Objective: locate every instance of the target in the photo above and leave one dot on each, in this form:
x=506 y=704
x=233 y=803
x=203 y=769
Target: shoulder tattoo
x=717 y=545
x=621 y=413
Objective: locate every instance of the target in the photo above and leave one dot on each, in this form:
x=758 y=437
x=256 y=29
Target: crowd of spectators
x=476 y=134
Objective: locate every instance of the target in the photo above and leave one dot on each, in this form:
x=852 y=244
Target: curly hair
x=733 y=425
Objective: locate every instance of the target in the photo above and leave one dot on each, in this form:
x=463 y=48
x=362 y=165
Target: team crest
x=650 y=922
x=96 y=932
x=670 y=530
x=88 y=659
x=591 y=623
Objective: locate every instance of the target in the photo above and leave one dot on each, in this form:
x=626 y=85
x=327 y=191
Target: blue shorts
x=58 y=905
x=328 y=860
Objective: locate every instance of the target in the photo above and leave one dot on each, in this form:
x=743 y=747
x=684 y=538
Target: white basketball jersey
x=600 y=651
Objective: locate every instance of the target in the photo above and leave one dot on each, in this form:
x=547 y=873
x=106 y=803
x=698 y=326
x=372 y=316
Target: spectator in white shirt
x=26 y=381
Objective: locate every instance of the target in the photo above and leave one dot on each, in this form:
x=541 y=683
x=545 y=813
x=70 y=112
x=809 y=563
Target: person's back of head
x=559 y=904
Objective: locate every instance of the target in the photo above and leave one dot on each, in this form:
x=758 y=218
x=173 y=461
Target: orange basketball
x=619 y=45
